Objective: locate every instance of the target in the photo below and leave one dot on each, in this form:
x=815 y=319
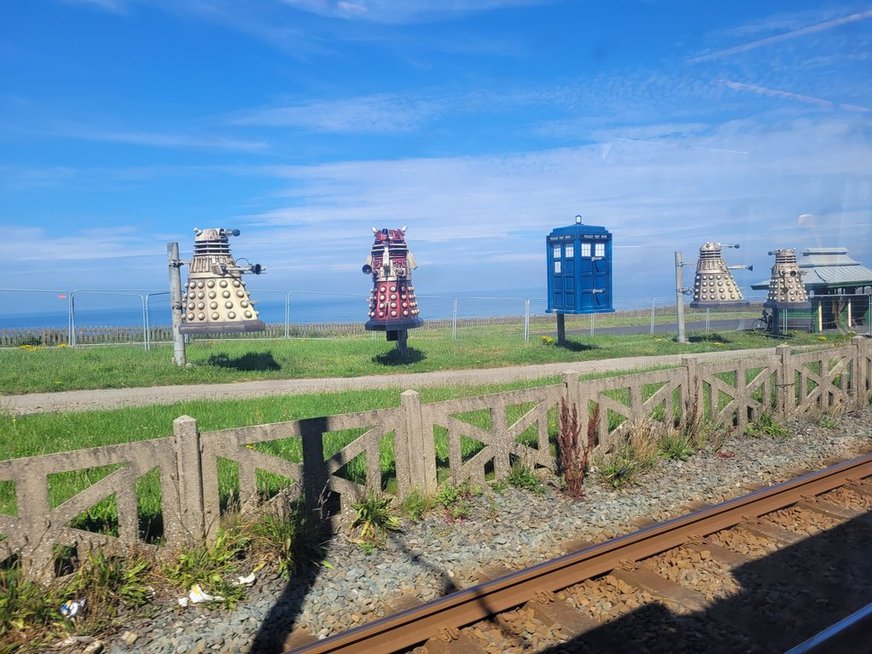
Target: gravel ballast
x=505 y=530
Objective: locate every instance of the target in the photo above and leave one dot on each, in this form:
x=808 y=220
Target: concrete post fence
x=340 y=458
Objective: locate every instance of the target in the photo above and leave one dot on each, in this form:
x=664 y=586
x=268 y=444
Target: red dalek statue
x=393 y=307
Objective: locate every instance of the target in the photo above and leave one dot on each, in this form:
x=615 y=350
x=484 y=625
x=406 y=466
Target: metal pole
x=176 y=303
x=454 y=320
x=144 y=323
x=679 y=297
x=869 y=314
x=707 y=319
x=72 y=319
x=526 y=321
x=288 y=314
x=561 y=329
x=653 y=305
x=592 y=321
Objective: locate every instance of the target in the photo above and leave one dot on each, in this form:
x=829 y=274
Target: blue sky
x=479 y=124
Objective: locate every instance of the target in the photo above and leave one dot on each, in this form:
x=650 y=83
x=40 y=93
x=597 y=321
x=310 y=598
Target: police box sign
x=588 y=237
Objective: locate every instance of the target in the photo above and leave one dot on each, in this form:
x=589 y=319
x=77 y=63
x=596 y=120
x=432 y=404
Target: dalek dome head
x=215 y=299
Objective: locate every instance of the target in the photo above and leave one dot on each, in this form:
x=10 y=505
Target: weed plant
x=416 y=504
x=574 y=454
x=28 y=611
x=521 y=476
x=109 y=584
x=211 y=565
x=288 y=536
x=766 y=426
x=373 y=519
x=455 y=499
x=676 y=445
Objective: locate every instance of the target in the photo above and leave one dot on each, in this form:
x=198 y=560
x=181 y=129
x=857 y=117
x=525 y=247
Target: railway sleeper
x=661 y=587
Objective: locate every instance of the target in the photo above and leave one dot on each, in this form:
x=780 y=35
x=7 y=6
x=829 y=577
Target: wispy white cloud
x=784 y=36
x=37 y=244
x=798 y=97
x=162 y=139
x=378 y=113
x=403 y=11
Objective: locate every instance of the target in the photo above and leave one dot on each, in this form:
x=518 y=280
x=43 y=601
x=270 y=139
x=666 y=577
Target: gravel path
x=121 y=397
x=510 y=529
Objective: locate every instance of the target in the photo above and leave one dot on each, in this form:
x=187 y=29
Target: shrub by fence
x=337 y=459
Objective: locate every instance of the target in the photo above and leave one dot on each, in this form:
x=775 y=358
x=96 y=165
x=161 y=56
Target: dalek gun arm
x=248 y=268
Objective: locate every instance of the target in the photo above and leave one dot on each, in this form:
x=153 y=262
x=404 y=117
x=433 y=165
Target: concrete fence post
x=786 y=381
x=693 y=407
x=189 y=468
x=860 y=379
x=418 y=446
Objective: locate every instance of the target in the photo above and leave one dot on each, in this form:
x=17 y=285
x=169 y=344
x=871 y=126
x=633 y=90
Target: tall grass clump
x=636 y=451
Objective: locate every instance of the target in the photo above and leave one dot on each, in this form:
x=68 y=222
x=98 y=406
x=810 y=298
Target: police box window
x=599 y=249
x=556 y=266
x=585 y=249
x=570 y=251
x=556 y=251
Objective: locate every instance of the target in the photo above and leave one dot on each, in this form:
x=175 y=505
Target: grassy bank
x=33 y=369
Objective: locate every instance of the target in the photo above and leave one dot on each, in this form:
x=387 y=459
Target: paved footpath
x=143 y=396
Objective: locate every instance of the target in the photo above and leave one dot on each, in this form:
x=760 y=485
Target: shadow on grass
x=250 y=361
x=394 y=358
x=708 y=338
x=575 y=346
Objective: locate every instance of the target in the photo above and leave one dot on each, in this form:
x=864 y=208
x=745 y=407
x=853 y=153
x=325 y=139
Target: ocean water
x=91 y=310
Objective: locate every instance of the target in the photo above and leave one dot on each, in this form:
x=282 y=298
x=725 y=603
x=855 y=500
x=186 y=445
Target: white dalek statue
x=215 y=299
x=714 y=286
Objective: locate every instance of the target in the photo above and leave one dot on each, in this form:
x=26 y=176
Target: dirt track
x=144 y=396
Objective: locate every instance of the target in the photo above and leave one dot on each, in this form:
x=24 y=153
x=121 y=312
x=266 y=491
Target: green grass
x=30 y=370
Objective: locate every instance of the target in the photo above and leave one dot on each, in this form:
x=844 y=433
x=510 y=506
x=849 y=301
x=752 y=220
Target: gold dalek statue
x=787 y=304
x=786 y=290
x=215 y=299
x=714 y=286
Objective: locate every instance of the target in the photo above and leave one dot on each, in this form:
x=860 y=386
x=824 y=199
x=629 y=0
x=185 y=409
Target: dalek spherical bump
x=215 y=299
x=713 y=285
x=393 y=306
x=786 y=288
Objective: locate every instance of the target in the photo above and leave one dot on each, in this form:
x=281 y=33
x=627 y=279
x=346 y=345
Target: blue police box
x=579 y=269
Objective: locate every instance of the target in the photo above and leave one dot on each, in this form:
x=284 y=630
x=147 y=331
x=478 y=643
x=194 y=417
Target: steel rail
x=408 y=628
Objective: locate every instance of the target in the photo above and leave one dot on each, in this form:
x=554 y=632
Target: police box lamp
x=215 y=299
x=714 y=286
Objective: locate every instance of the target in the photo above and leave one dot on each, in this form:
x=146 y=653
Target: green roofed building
x=839 y=288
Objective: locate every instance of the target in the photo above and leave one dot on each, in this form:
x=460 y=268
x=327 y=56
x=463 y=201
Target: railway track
x=759 y=573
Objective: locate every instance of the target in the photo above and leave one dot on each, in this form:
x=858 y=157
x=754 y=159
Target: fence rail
x=472 y=438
